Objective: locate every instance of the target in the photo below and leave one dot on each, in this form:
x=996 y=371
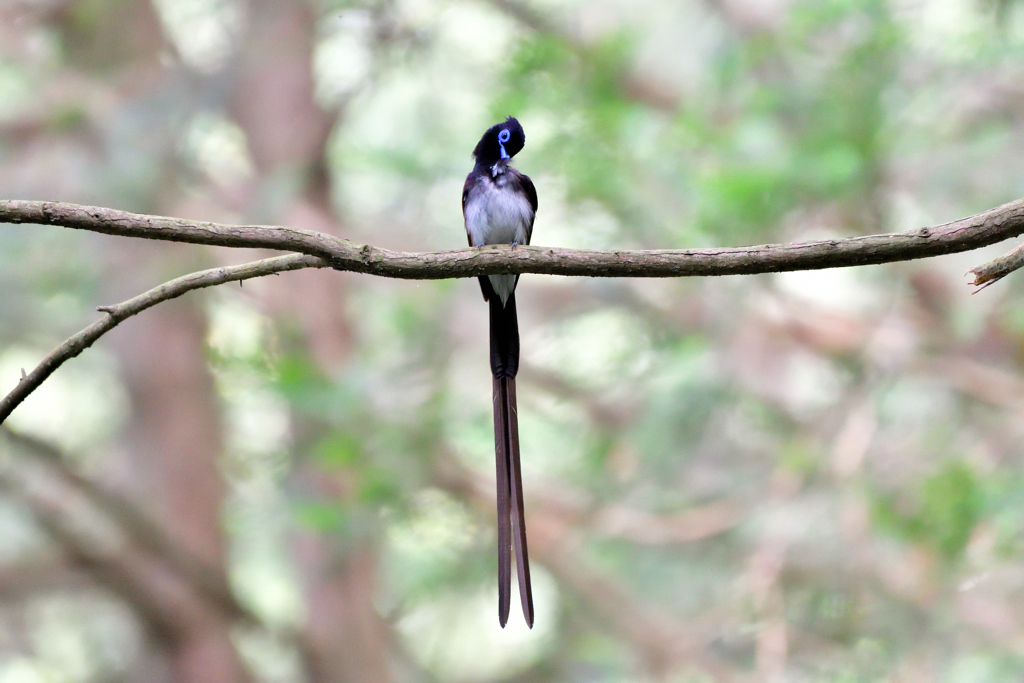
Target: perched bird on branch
x=499 y=204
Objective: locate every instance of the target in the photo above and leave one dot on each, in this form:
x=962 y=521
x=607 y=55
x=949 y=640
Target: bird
x=499 y=205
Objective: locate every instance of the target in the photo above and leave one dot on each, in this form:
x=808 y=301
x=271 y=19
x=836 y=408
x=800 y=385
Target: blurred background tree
x=807 y=476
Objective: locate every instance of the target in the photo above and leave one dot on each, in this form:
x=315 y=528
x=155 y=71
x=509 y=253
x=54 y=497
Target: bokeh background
x=803 y=477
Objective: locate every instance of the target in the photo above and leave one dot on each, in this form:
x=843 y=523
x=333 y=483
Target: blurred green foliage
x=949 y=506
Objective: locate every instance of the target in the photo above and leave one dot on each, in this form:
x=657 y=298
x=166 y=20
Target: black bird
x=499 y=204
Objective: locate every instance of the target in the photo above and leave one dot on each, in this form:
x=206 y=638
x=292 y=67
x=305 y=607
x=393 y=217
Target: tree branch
x=320 y=250
x=996 y=269
x=115 y=314
x=981 y=230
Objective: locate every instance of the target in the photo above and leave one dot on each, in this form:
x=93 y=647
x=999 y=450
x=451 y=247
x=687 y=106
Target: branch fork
x=319 y=250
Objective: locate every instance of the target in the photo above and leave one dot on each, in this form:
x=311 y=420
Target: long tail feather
x=504 y=514
x=511 y=522
x=518 y=518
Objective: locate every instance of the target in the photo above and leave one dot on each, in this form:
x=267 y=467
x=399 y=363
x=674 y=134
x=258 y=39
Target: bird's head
x=501 y=141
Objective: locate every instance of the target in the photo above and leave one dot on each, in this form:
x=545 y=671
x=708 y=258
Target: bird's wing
x=465 y=196
x=531 y=195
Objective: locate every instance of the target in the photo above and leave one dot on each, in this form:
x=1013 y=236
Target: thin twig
x=996 y=269
x=115 y=314
x=981 y=230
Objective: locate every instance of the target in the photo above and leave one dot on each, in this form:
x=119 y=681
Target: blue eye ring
x=504 y=135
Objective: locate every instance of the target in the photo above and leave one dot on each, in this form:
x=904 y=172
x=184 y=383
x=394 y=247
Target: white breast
x=497 y=215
